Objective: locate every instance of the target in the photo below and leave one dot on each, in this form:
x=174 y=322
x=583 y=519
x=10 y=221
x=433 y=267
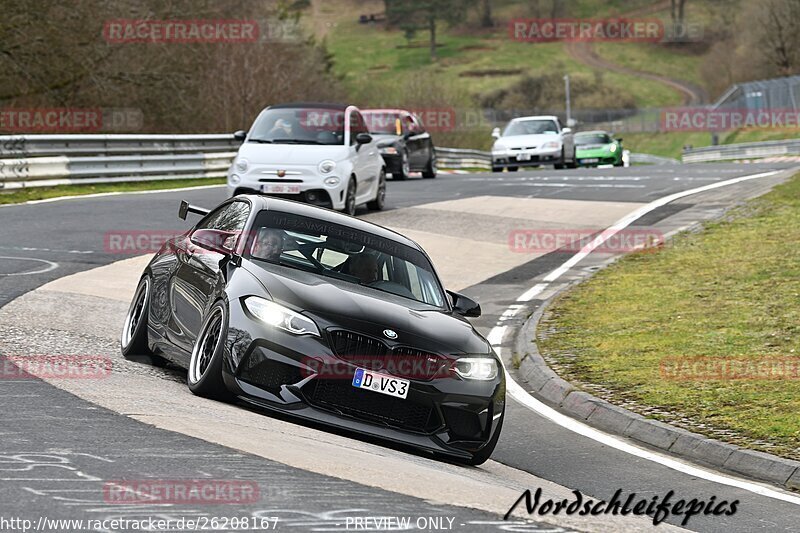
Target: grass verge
x=16 y=196
x=729 y=295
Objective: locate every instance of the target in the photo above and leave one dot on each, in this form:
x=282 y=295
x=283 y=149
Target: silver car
x=532 y=142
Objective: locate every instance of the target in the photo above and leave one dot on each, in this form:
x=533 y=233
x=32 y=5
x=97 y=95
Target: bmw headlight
x=551 y=144
x=327 y=166
x=241 y=165
x=279 y=316
x=612 y=148
x=478 y=368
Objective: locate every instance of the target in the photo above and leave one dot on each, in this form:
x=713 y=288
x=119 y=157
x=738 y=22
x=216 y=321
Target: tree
x=427 y=15
x=486 y=17
x=780 y=35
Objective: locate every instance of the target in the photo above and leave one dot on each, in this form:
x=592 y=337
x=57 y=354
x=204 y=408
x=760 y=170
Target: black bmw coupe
x=322 y=316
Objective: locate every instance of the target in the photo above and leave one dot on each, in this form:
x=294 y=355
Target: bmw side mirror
x=240 y=135
x=464 y=305
x=496 y=133
x=363 y=138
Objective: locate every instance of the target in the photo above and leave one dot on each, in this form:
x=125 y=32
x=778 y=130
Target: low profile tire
x=405 y=168
x=430 y=169
x=380 y=199
x=205 y=366
x=134 y=339
x=350 y=198
x=512 y=169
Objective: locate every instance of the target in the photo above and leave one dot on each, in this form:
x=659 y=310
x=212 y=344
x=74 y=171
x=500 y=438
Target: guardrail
x=462 y=158
x=755 y=150
x=47 y=160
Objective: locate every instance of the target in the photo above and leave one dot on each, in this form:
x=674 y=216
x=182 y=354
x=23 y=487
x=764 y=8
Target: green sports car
x=594 y=148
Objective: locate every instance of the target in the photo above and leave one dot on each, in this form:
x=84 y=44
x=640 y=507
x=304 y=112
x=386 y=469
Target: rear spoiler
x=185 y=208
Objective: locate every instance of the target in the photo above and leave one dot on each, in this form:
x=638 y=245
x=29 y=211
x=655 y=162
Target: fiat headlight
x=327 y=166
x=241 y=165
x=279 y=316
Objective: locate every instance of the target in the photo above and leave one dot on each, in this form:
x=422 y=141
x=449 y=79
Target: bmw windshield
x=299 y=126
x=344 y=253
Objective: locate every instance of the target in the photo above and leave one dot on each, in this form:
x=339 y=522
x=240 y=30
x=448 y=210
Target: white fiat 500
x=322 y=154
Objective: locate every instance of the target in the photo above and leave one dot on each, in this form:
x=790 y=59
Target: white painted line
x=118 y=193
x=519 y=394
x=497 y=333
x=532 y=293
x=628 y=219
x=49 y=265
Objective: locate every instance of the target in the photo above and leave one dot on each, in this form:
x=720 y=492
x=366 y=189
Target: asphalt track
x=46 y=241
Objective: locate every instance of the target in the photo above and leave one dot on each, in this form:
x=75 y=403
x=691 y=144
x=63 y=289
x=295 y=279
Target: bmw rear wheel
x=134 y=339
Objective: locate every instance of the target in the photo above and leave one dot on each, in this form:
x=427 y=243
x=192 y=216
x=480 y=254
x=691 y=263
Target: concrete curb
x=547 y=386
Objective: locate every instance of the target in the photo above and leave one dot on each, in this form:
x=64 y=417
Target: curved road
x=61 y=441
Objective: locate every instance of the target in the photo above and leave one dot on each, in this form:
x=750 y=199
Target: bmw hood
x=368 y=311
x=525 y=141
x=290 y=154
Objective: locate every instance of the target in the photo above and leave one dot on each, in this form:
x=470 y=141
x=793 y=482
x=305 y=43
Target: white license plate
x=280 y=189
x=523 y=156
x=590 y=160
x=391 y=386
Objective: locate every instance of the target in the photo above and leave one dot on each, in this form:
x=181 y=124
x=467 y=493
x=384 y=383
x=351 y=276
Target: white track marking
x=118 y=193
x=49 y=265
x=517 y=392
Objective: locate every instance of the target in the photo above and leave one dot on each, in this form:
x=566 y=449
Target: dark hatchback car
x=322 y=316
x=403 y=142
